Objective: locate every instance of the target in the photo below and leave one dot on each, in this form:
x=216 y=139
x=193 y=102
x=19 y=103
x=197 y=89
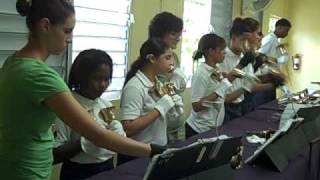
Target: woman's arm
x=71 y=112
x=135 y=126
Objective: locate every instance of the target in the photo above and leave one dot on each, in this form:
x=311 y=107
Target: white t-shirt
x=90 y=153
x=230 y=61
x=136 y=101
x=203 y=85
x=270 y=47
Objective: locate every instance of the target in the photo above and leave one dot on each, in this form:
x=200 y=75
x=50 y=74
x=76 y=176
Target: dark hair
x=164 y=23
x=55 y=10
x=153 y=46
x=209 y=41
x=283 y=22
x=86 y=63
x=242 y=25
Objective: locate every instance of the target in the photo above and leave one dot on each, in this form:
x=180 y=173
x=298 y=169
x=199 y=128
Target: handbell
x=108 y=114
x=216 y=75
x=236 y=160
x=238 y=73
x=282 y=49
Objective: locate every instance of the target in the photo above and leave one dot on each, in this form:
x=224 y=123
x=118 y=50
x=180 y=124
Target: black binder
x=189 y=160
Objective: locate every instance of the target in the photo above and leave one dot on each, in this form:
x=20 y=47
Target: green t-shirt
x=26 y=138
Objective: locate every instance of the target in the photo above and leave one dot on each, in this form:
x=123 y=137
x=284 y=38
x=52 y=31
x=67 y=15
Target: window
x=272 y=23
x=104 y=25
x=194 y=28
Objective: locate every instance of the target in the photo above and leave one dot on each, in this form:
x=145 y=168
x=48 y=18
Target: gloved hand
x=164 y=104
x=179 y=80
x=157 y=149
x=223 y=87
x=247 y=85
x=177 y=100
x=247 y=58
x=178 y=103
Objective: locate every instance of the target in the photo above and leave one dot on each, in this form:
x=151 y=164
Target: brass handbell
x=236 y=160
x=238 y=73
x=246 y=47
x=282 y=49
x=108 y=114
x=216 y=74
x=160 y=90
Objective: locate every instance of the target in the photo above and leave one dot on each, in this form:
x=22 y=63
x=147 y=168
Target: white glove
x=164 y=104
x=179 y=80
x=177 y=100
x=247 y=85
x=264 y=69
x=178 y=103
x=224 y=85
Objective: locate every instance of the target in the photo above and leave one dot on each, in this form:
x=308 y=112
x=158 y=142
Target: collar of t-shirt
x=229 y=52
x=144 y=79
x=87 y=103
x=206 y=66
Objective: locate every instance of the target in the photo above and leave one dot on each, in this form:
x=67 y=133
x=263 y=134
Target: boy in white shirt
x=270 y=46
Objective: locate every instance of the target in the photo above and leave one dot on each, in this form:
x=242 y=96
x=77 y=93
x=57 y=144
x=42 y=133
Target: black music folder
x=189 y=160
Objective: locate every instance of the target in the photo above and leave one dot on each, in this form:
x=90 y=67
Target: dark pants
x=124 y=158
x=189 y=131
x=248 y=104
x=232 y=111
x=264 y=97
x=75 y=171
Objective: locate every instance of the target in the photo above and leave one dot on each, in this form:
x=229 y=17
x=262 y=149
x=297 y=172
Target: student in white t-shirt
x=270 y=47
x=144 y=112
x=245 y=38
x=209 y=86
x=168 y=27
x=90 y=75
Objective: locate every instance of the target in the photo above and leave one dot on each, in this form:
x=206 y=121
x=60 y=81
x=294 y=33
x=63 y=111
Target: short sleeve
x=63 y=133
x=131 y=103
x=198 y=85
x=266 y=45
x=42 y=82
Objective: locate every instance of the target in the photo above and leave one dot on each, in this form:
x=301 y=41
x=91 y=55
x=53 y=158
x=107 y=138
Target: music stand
x=192 y=159
x=284 y=145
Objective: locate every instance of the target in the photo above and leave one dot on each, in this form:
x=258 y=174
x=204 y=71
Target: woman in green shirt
x=32 y=94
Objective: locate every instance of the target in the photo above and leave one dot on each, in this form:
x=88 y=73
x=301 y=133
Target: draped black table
x=264 y=117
